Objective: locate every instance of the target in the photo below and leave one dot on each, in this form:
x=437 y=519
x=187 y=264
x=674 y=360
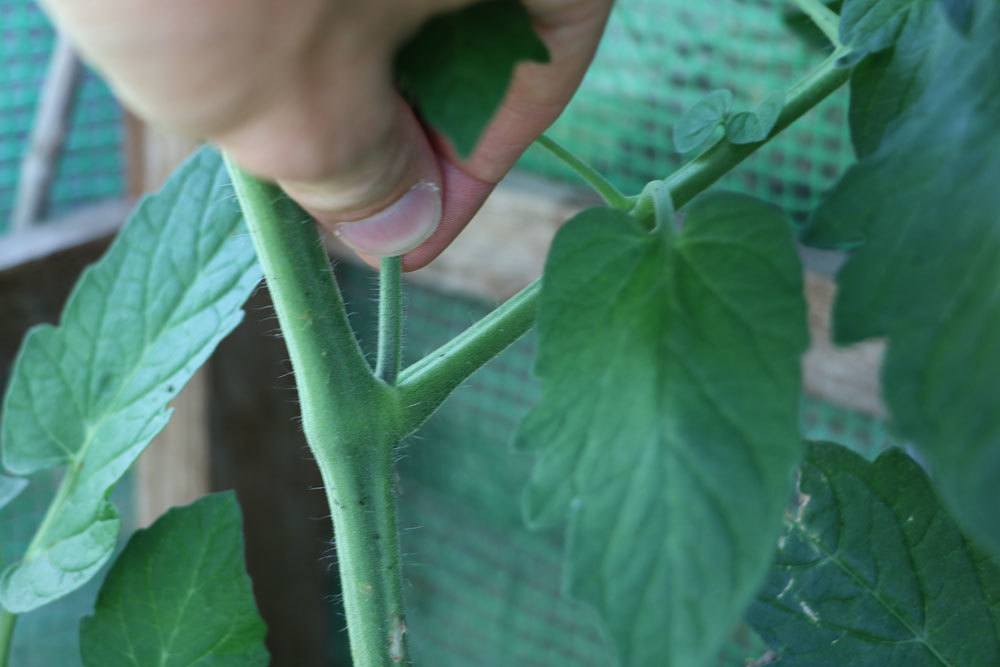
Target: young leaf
x=749 y=127
x=700 y=123
x=925 y=208
x=179 y=595
x=91 y=393
x=872 y=572
x=457 y=69
x=10 y=487
x=667 y=431
x=869 y=26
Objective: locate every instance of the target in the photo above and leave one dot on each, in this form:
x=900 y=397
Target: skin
x=301 y=92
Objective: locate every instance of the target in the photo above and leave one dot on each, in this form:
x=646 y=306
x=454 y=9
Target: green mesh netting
x=659 y=57
x=482 y=590
x=91 y=164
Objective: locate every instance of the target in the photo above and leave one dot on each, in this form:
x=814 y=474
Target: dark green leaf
x=179 y=596
x=457 y=69
x=701 y=122
x=91 y=393
x=885 y=85
x=10 y=487
x=925 y=206
x=869 y=26
x=961 y=13
x=749 y=127
x=871 y=572
x=668 y=427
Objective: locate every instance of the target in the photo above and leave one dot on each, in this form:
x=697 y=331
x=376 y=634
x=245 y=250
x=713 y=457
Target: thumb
x=359 y=162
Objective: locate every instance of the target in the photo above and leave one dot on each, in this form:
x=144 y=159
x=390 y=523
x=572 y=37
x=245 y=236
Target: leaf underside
x=10 y=487
x=923 y=207
x=179 y=596
x=91 y=393
x=872 y=572
x=667 y=430
x=457 y=69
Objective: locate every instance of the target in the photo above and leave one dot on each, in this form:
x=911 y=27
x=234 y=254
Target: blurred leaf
x=868 y=26
x=457 y=69
x=179 y=596
x=872 y=572
x=924 y=211
x=961 y=13
x=667 y=431
x=10 y=487
x=700 y=123
x=91 y=393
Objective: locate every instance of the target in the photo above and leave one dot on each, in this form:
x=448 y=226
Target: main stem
x=7 y=622
x=428 y=382
x=350 y=418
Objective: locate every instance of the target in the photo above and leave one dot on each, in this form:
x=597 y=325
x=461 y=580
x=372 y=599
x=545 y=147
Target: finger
x=571 y=29
x=341 y=141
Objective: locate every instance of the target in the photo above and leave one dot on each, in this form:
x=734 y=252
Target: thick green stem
x=611 y=195
x=390 y=319
x=350 y=418
x=429 y=381
x=7 y=622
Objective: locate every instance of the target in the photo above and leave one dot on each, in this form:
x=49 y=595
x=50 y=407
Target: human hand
x=302 y=92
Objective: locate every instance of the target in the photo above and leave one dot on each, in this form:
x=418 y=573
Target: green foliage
x=458 y=67
x=179 y=596
x=91 y=393
x=884 y=86
x=872 y=572
x=868 y=26
x=923 y=209
x=668 y=426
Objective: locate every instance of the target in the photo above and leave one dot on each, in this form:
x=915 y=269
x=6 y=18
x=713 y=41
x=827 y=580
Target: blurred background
x=481 y=589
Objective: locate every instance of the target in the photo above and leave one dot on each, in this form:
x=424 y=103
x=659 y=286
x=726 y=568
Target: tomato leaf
x=699 y=125
x=961 y=13
x=886 y=85
x=872 y=571
x=667 y=431
x=869 y=26
x=179 y=595
x=924 y=210
x=10 y=487
x=457 y=69
x=91 y=393
x=749 y=127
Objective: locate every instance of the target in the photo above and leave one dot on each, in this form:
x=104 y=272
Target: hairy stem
x=429 y=381
x=825 y=18
x=350 y=418
x=7 y=622
x=390 y=319
x=424 y=385
x=611 y=195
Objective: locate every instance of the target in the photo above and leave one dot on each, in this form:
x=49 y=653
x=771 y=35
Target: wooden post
x=175 y=468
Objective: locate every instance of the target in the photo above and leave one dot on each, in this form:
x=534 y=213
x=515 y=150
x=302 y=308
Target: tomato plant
x=666 y=439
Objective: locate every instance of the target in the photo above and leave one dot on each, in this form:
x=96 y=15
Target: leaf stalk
x=390 y=320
